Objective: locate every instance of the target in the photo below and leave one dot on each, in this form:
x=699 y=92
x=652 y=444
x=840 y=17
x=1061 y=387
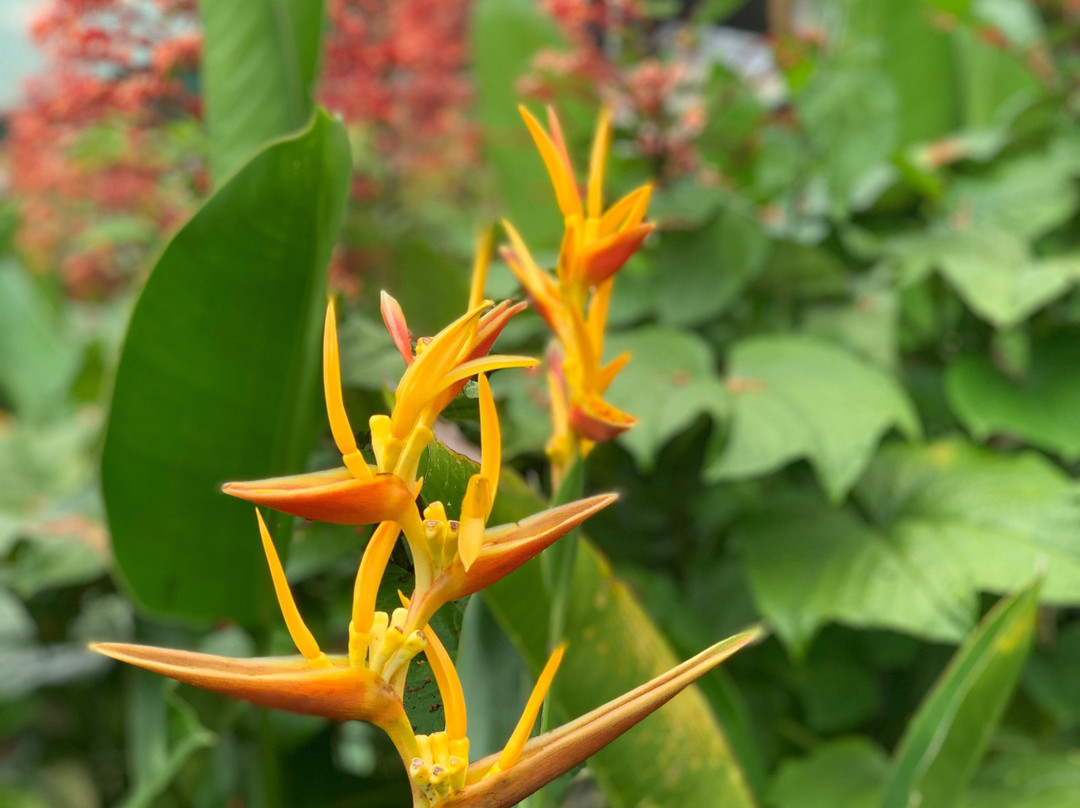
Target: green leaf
x=258 y=69
x=679 y=756
x=993 y=271
x=157 y=757
x=944 y=742
x=942 y=523
x=217 y=379
x=505 y=35
x=1027 y=779
x=1027 y=196
x=974 y=520
x=37 y=363
x=809 y=564
x=917 y=57
x=712 y=264
x=990 y=80
x=796 y=397
x=848 y=772
x=868 y=325
x=850 y=113
x=1039 y=409
x=669 y=381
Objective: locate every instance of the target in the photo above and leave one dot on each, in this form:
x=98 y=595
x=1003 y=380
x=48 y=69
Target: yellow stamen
x=335 y=402
x=609 y=371
x=512 y=751
x=301 y=636
x=556 y=133
x=601 y=142
x=475 y=507
x=484 y=364
x=536 y=282
x=485 y=244
x=583 y=353
x=566 y=193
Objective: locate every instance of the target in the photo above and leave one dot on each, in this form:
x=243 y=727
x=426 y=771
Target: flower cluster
x=398 y=71
x=451 y=558
x=574 y=302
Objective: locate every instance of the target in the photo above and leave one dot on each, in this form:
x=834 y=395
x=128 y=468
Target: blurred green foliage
x=853 y=368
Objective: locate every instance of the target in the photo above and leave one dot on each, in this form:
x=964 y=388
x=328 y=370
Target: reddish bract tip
x=595 y=419
x=338 y=691
x=604 y=258
x=394 y=319
x=329 y=496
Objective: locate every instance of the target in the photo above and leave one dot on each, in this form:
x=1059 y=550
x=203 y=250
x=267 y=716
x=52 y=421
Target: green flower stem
x=558 y=569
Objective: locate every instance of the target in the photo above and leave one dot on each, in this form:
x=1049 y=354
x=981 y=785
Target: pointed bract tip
x=334 y=691
x=547 y=756
x=334 y=496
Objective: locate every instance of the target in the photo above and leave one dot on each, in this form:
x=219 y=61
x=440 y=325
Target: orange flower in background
x=574 y=302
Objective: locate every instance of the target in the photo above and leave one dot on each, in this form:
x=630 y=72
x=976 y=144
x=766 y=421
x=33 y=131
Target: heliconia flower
x=360 y=493
x=503 y=549
x=574 y=302
x=597 y=242
x=437 y=775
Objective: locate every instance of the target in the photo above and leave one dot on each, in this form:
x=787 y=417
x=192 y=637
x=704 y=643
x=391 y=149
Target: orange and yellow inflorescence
x=574 y=302
x=452 y=558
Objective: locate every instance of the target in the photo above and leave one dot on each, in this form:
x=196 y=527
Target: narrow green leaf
x=217 y=378
x=944 y=742
x=158 y=756
x=258 y=68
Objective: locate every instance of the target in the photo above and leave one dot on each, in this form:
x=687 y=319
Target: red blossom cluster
x=101 y=135
x=397 y=68
x=659 y=100
x=92 y=152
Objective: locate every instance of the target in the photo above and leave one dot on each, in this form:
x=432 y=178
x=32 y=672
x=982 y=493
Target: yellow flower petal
x=514 y=746
x=597 y=160
x=566 y=193
x=335 y=403
x=298 y=630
